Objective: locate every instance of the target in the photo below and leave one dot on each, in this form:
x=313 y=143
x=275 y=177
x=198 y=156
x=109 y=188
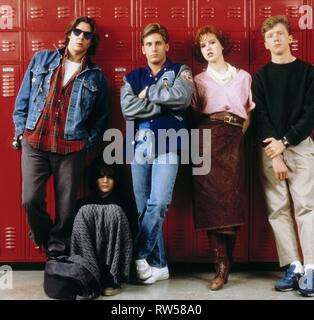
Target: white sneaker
x=143 y=269
x=157 y=275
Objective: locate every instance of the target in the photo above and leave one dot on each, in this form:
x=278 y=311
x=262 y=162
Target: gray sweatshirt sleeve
x=135 y=108
x=175 y=97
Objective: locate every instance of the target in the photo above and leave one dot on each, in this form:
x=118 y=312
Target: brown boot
x=222 y=265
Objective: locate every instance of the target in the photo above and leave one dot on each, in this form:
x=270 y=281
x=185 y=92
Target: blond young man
x=284 y=94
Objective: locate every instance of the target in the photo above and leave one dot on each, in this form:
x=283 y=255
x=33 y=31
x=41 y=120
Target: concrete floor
x=189 y=284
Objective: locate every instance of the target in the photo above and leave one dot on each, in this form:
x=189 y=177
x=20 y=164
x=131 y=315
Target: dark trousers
x=37 y=167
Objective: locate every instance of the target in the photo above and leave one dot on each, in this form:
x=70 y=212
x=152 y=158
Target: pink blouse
x=234 y=97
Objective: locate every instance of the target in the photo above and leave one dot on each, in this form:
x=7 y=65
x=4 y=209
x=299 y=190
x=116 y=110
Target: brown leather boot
x=222 y=264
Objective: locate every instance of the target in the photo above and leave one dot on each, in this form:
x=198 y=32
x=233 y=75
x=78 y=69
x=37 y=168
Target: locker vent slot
x=36 y=13
x=94 y=12
x=207 y=12
x=10 y=238
x=292 y=12
x=63 y=12
x=7 y=46
x=8 y=85
x=121 y=12
x=265 y=12
x=234 y=12
x=150 y=12
x=177 y=12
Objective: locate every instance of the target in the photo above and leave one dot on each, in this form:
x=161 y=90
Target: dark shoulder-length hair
x=73 y=24
x=99 y=169
x=222 y=37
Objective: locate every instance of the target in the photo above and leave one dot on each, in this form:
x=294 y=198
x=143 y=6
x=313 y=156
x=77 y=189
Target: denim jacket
x=88 y=108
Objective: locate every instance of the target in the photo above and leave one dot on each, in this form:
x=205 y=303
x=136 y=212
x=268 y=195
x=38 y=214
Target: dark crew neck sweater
x=284 y=97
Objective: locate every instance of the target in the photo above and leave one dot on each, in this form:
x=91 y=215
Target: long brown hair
x=95 y=39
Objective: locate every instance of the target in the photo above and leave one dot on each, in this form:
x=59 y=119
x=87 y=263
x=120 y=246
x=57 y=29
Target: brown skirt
x=219 y=195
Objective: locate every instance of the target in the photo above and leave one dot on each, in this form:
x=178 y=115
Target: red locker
x=310 y=43
x=117 y=72
x=45 y=15
x=262 y=243
x=180 y=227
x=118 y=15
x=174 y=14
x=11 y=227
x=228 y=15
x=36 y=41
x=10 y=47
x=116 y=28
x=239 y=53
x=11 y=15
x=263 y=9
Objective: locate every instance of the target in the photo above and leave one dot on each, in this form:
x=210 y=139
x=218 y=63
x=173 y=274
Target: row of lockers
x=37 y=15
x=16 y=47
x=247 y=48
x=39 y=24
x=120 y=24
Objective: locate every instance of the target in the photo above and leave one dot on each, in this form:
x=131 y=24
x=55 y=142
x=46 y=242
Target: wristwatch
x=285 y=142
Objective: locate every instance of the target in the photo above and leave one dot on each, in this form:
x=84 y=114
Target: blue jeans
x=153 y=185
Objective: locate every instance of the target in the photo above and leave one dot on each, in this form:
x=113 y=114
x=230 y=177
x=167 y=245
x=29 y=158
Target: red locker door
x=36 y=41
x=239 y=54
x=116 y=45
x=35 y=253
x=117 y=72
x=228 y=14
x=11 y=227
x=262 y=243
x=263 y=9
x=180 y=227
x=114 y=13
x=115 y=21
x=171 y=14
x=310 y=49
x=46 y=15
x=10 y=18
x=10 y=47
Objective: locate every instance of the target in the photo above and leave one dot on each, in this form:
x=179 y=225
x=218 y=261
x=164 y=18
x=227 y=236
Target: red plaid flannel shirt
x=49 y=132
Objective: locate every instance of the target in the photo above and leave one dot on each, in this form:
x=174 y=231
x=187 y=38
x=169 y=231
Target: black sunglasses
x=87 y=34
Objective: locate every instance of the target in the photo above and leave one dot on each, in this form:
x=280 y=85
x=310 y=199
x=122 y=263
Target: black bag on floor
x=66 y=278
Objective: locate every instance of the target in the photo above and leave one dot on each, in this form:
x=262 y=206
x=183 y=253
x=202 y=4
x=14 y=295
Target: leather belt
x=227 y=117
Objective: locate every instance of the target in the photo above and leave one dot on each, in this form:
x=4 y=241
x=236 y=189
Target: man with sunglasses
x=60 y=112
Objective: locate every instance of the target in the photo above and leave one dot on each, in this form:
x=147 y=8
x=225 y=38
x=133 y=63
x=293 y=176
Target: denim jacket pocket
x=91 y=86
x=90 y=92
x=38 y=77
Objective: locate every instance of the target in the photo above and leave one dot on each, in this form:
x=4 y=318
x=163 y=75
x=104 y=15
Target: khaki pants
x=300 y=186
